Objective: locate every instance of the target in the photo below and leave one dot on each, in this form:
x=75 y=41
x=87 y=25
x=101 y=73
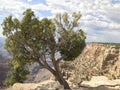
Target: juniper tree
x=35 y=40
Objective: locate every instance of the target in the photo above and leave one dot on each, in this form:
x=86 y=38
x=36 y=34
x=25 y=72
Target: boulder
x=102 y=81
x=45 y=85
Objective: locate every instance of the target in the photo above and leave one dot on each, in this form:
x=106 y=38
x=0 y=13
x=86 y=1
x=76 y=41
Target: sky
x=100 y=18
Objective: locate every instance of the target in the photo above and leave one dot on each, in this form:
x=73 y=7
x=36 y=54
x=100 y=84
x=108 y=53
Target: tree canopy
x=35 y=40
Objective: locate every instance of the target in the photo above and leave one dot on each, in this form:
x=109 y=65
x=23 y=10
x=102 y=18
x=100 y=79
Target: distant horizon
x=86 y=42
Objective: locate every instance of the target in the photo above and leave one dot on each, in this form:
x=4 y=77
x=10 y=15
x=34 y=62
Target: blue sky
x=100 y=18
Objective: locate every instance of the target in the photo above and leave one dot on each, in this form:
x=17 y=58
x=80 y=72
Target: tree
x=18 y=74
x=33 y=40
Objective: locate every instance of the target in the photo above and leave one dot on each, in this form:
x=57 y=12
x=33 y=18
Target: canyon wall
x=97 y=59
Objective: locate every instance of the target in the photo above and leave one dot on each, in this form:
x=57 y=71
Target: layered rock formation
x=4 y=58
x=97 y=59
x=3 y=69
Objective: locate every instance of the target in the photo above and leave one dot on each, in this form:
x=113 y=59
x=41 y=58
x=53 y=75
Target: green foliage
x=74 y=45
x=32 y=40
x=73 y=42
x=18 y=74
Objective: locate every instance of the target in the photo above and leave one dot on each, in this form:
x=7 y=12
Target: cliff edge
x=97 y=59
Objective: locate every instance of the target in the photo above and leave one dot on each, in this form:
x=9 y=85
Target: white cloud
x=39 y=7
x=11 y=7
x=16 y=7
x=29 y=0
x=100 y=18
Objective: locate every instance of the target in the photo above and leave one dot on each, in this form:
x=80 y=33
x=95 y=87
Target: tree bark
x=56 y=72
x=59 y=75
x=62 y=81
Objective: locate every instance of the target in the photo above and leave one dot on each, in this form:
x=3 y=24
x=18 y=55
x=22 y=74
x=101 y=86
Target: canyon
x=97 y=59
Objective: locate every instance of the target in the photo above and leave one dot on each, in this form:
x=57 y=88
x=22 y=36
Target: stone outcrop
x=45 y=85
x=96 y=83
x=102 y=82
x=97 y=59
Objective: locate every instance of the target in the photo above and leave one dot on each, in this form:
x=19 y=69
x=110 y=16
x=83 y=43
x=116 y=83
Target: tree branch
x=61 y=58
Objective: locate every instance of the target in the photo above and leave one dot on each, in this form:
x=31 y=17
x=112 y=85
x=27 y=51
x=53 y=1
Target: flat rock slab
x=102 y=82
x=45 y=85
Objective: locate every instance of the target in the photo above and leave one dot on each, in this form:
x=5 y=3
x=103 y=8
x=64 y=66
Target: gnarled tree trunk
x=62 y=81
x=58 y=75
